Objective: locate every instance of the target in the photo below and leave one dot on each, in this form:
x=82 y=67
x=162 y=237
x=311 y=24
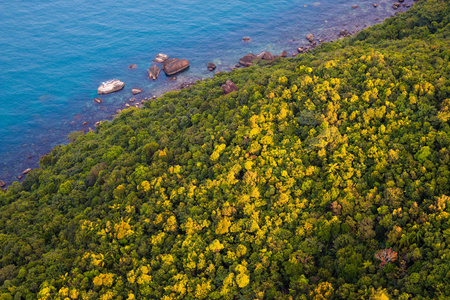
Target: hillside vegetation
x=326 y=176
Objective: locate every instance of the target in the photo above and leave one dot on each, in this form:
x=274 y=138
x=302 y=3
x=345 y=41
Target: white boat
x=110 y=86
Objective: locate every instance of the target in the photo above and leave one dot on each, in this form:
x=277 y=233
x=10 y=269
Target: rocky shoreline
x=175 y=65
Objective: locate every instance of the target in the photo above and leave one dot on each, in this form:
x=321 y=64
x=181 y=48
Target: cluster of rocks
x=399 y=3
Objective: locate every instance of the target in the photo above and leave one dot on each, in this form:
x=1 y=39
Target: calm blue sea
x=55 y=53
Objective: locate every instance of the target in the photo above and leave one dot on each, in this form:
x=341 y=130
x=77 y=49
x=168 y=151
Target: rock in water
x=110 y=86
x=310 y=38
x=133 y=66
x=153 y=72
x=248 y=59
x=2 y=183
x=246 y=39
x=229 y=87
x=175 y=65
x=26 y=171
x=266 y=56
x=211 y=66
x=98 y=100
x=160 y=58
x=136 y=91
x=284 y=53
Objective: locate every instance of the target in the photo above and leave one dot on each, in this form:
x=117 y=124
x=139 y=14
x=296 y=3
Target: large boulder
x=110 y=86
x=229 y=87
x=160 y=58
x=248 y=59
x=153 y=72
x=266 y=56
x=174 y=65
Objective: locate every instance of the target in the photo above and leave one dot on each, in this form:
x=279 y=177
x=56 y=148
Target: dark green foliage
x=325 y=176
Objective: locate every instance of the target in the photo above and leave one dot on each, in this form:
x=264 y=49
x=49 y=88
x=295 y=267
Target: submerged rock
x=160 y=58
x=246 y=39
x=211 y=66
x=229 y=87
x=132 y=66
x=153 y=72
x=175 y=65
x=248 y=59
x=110 y=86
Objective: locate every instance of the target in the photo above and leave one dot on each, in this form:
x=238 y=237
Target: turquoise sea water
x=55 y=53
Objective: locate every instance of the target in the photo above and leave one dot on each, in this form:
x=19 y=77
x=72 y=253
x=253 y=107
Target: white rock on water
x=110 y=86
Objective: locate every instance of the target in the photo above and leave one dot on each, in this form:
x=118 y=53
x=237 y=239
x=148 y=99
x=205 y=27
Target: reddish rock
x=375 y=5
x=310 y=38
x=98 y=100
x=355 y=6
x=84 y=123
x=133 y=66
x=19 y=177
x=175 y=65
x=211 y=66
x=153 y=72
x=246 y=39
x=229 y=87
x=26 y=171
x=2 y=183
x=248 y=59
x=266 y=56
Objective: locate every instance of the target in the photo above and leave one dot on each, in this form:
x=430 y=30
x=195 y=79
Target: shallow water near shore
x=54 y=55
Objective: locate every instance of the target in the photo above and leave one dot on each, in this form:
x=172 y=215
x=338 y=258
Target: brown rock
x=136 y=91
x=355 y=6
x=229 y=87
x=133 y=66
x=153 y=72
x=132 y=100
x=98 y=100
x=26 y=171
x=160 y=58
x=19 y=177
x=310 y=38
x=175 y=65
x=266 y=56
x=211 y=66
x=375 y=5
x=173 y=78
x=84 y=123
x=237 y=65
x=2 y=183
x=300 y=50
x=246 y=39
x=343 y=33
x=248 y=59
x=284 y=54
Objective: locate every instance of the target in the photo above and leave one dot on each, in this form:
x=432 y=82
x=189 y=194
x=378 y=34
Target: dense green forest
x=326 y=176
